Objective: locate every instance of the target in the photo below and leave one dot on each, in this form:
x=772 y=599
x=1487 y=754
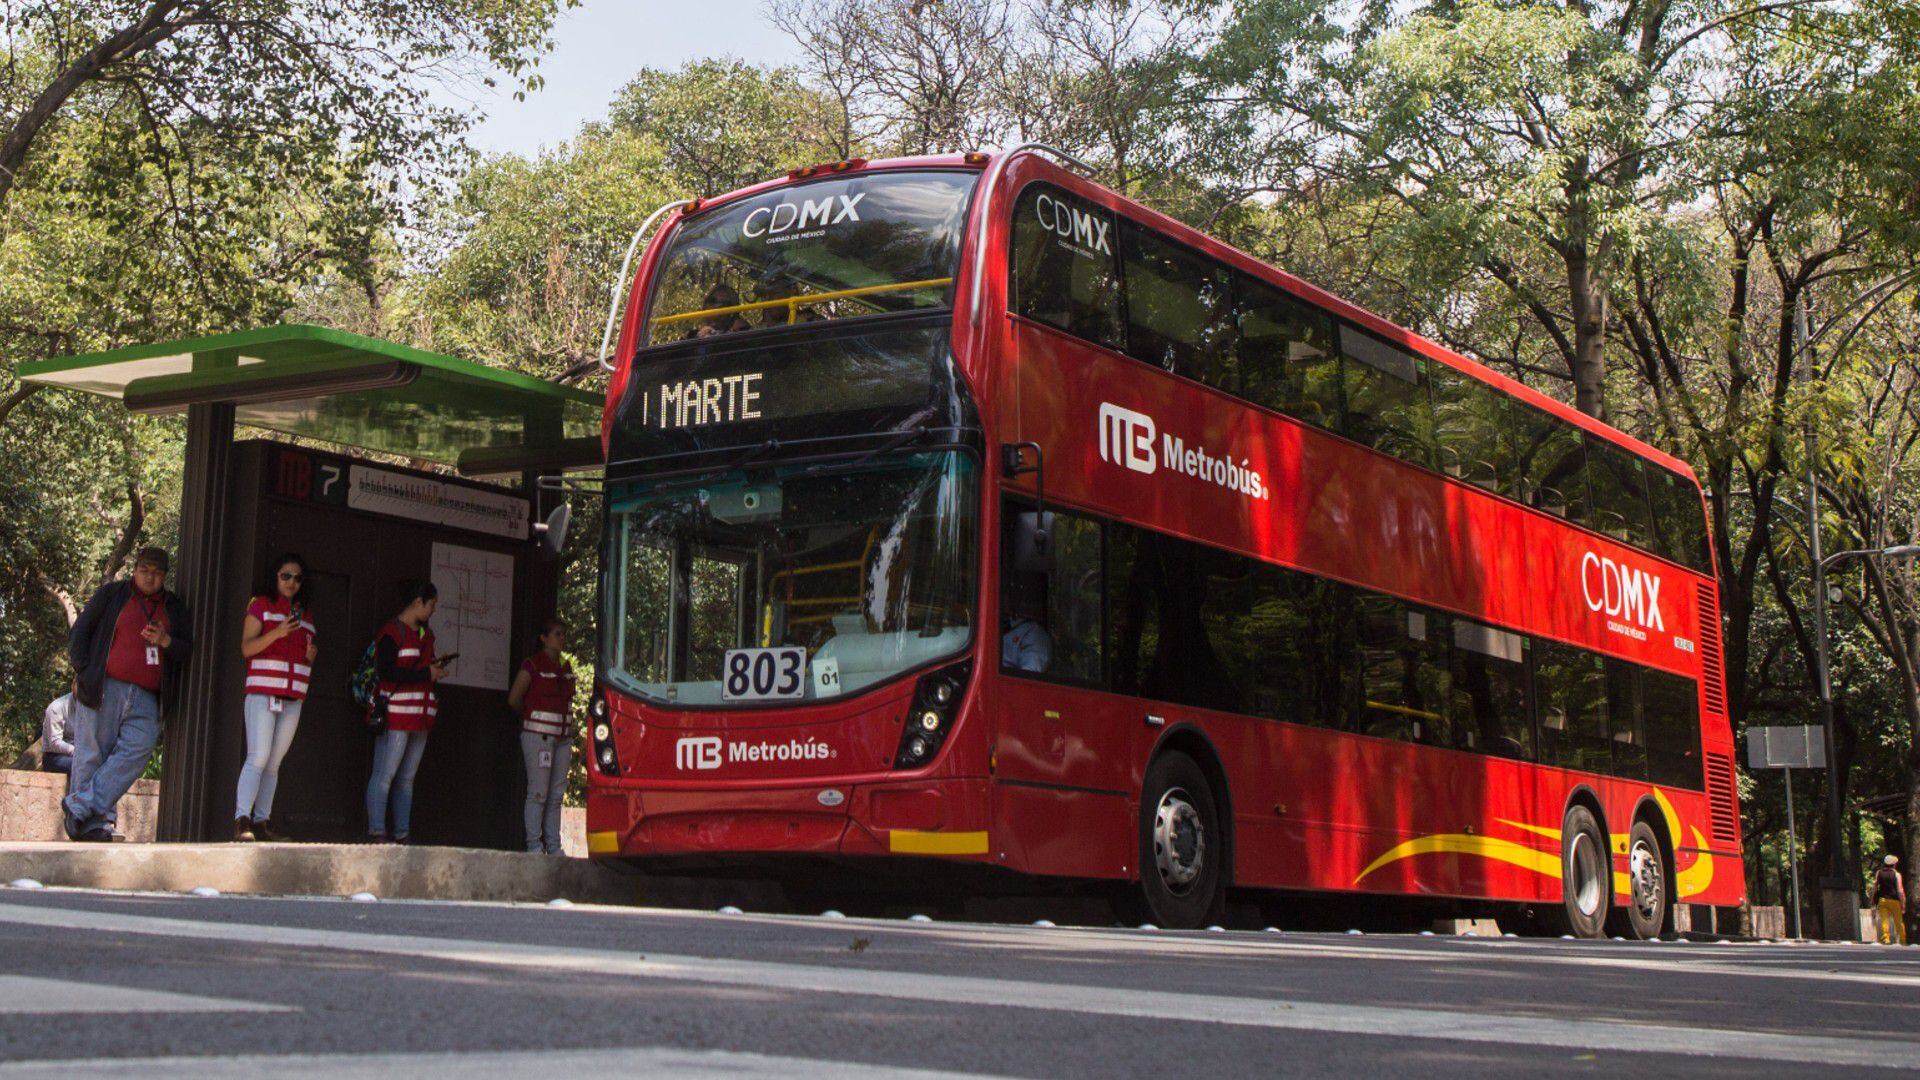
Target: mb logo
x=1126 y=438
x=702 y=752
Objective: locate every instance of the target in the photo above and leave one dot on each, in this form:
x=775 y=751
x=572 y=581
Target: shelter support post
x=205 y=502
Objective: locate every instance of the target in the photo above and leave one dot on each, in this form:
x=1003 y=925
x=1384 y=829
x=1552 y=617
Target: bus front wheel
x=1182 y=846
x=1586 y=874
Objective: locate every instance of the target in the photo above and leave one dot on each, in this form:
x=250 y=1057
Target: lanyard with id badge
x=151 y=609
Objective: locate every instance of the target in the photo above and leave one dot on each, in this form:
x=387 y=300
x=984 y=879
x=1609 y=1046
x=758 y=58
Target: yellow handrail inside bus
x=793 y=303
x=766 y=621
x=1418 y=714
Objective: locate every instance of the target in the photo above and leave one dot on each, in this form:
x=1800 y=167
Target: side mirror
x=551 y=534
x=1031 y=542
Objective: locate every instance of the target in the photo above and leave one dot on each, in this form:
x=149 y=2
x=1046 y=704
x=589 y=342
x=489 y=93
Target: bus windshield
x=830 y=249
x=867 y=565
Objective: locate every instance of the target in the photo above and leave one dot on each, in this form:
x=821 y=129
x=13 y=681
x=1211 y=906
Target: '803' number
x=763 y=674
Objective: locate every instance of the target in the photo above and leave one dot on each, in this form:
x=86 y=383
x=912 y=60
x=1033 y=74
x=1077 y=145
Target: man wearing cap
x=1890 y=893
x=126 y=648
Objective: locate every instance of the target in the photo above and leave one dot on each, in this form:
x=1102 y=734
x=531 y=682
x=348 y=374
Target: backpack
x=364 y=681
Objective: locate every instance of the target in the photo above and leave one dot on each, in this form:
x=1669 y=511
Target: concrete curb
x=389 y=872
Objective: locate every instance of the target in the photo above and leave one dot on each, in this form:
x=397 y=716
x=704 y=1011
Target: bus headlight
x=936 y=704
x=603 y=753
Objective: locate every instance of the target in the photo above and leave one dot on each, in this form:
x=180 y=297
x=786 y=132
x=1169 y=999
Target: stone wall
x=30 y=807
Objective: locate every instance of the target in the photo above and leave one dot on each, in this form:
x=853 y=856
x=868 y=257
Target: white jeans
x=269 y=734
x=547 y=757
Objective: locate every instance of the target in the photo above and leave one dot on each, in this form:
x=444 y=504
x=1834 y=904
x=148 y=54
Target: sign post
x=1787 y=749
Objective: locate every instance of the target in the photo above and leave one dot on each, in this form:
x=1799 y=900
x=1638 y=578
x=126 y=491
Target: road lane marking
x=509 y=1065
x=948 y=990
x=28 y=994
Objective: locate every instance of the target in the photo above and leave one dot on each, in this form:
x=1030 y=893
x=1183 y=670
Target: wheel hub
x=1644 y=871
x=1584 y=863
x=1179 y=840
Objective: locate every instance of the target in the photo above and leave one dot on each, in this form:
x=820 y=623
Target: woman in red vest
x=542 y=694
x=279 y=647
x=403 y=658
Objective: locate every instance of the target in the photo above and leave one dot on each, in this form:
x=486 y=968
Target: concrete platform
x=385 y=870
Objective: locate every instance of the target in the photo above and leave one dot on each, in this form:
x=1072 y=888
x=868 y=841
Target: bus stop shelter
x=362 y=490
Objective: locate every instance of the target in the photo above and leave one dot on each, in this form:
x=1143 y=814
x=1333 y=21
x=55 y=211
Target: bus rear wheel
x=1586 y=874
x=1182 y=846
x=1645 y=915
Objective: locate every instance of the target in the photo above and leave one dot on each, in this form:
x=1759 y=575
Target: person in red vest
x=403 y=658
x=126 y=649
x=542 y=694
x=279 y=647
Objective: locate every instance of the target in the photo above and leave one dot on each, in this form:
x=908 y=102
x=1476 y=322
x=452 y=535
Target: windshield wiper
x=899 y=440
x=752 y=453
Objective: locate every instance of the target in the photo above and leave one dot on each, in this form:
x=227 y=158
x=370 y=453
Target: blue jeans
x=396 y=757
x=269 y=734
x=547 y=758
x=111 y=748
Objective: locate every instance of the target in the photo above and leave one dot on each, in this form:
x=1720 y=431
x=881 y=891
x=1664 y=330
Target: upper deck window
x=833 y=249
x=1064 y=270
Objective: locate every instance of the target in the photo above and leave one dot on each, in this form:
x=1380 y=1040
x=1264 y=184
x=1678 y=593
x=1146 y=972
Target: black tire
x=1183 y=847
x=1586 y=875
x=1645 y=916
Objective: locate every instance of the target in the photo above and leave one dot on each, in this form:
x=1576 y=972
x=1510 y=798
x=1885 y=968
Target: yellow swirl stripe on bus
x=1689 y=882
x=1489 y=847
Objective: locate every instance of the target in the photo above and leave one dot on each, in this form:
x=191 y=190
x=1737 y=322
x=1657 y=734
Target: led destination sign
x=720 y=394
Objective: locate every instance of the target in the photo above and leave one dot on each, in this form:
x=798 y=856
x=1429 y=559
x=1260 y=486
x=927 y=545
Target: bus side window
x=1678 y=519
x=1064 y=273
x=1549 y=463
x=1132 y=611
x=1570 y=689
x=1490 y=674
x=1388 y=407
x=1469 y=428
x=1285 y=358
x=1672 y=726
x=1179 y=306
x=1625 y=708
x=1404 y=675
x=1050 y=623
x=1619 y=484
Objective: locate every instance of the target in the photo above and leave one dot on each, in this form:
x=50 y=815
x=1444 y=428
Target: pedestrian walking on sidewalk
x=542 y=694
x=278 y=644
x=1890 y=896
x=404 y=662
x=126 y=649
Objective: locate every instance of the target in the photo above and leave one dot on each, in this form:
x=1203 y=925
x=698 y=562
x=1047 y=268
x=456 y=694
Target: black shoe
x=243 y=829
x=97 y=836
x=70 y=824
x=264 y=831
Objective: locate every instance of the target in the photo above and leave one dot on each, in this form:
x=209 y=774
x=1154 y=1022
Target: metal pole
x=1839 y=904
x=1793 y=856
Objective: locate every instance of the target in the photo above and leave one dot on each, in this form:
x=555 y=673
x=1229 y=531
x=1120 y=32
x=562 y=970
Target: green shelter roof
x=352 y=391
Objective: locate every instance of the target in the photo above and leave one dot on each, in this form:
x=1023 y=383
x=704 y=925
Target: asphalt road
x=165 y=986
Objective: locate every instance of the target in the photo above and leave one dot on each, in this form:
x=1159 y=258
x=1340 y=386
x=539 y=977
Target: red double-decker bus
x=961 y=511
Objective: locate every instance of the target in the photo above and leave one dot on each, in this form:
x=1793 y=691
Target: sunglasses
x=289 y=577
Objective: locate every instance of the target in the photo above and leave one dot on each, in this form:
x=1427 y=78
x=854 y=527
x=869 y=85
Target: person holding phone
x=542 y=693
x=278 y=643
x=404 y=662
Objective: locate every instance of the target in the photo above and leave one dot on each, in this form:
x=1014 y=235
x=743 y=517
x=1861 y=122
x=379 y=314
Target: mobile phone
x=447 y=659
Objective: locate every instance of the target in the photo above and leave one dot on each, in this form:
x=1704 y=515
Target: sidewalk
x=387 y=871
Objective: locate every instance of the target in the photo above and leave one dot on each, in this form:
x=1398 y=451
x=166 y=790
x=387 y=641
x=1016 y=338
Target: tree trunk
x=1589 y=304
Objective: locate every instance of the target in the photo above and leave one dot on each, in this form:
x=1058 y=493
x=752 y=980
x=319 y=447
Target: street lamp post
x=1839 y=892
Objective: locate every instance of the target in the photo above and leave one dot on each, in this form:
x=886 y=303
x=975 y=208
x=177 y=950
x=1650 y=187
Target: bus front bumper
x=919 y=818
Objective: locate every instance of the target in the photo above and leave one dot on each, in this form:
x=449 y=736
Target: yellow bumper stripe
x=915 y=842
x=603 y=843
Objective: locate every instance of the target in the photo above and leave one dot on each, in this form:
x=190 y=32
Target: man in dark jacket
x=126 y=647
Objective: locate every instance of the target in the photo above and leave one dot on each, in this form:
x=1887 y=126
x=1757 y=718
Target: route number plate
x=763 y=674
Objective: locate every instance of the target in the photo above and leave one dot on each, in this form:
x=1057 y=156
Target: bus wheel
x=1182 y=845
x=1586 y=874
x=1646 y=915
